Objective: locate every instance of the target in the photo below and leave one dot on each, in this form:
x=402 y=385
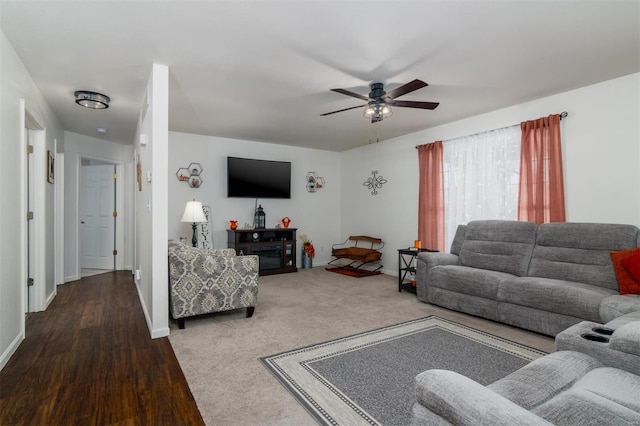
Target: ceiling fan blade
x=406 y=88
x=340 y=110
x=414 y=104
x=348 y=93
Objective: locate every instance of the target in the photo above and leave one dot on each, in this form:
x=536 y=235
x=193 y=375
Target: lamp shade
x=193 y=213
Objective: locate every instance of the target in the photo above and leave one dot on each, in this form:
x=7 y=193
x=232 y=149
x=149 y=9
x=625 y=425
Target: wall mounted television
x=250 y=178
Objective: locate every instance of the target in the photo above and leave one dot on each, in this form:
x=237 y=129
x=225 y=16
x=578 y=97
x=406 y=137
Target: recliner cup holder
x=603 y=330
x=595 y=338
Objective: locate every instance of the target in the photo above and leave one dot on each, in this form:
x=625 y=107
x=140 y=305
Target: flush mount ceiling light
x=92 y=100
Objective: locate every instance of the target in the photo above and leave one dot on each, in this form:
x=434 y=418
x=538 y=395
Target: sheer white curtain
x=481 y=175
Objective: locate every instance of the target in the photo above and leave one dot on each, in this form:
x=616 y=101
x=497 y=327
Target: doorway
x=97 y=214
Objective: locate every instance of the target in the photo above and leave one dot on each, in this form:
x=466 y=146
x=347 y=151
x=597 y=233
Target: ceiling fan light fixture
x=377 y=111
x=92 y=100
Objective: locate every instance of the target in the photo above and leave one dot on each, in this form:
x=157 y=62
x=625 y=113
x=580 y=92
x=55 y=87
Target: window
x=481 y=178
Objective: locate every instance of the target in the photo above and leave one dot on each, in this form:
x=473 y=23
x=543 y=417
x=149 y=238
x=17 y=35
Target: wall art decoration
x=314 y=182
x=206 y=240
x=374 y=182
x=139 y=173
x=50 y=167
x=191 y=175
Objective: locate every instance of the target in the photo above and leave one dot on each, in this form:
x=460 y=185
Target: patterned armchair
x=202 y=281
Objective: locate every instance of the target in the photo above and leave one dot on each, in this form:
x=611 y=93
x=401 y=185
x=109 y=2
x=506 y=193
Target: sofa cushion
x=579 y=252
x=617 y=305
x=603 y=396
x=545 y=377
x=563 y=297
x=458 y=239
x=627 y=283
x=627 y=339
x=462 y=279
x=498 y=245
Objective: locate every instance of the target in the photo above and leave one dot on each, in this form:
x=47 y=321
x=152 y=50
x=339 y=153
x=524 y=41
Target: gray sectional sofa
x=587 y=382
x=542 y=278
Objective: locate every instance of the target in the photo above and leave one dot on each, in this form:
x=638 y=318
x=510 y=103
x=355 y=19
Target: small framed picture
x=50 y=167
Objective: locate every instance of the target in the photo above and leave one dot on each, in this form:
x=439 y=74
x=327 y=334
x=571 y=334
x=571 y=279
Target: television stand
x=276 y=247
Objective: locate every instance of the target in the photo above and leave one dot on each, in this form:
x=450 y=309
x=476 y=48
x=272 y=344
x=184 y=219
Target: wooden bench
x=360 y=249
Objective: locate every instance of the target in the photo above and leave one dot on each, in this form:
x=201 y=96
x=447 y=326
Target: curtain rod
x=563 y=114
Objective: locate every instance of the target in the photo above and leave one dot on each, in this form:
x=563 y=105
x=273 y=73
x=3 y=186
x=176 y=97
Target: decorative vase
x=307 y=262
x=286 y=221
x=233 y=224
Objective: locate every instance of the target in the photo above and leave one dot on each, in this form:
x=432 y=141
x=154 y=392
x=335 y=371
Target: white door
x=97 y=223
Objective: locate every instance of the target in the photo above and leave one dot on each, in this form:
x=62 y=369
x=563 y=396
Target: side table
x=406 y=265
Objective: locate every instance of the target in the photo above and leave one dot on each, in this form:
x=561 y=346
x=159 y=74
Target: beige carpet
x=219 y=353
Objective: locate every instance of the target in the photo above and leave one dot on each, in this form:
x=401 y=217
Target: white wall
x=78 y=147
x=151 y=204
x=601 y=142
x=19 y=93
x=317 y=214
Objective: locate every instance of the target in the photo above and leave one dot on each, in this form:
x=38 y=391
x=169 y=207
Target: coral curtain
x=541 y=192
x=431 y=196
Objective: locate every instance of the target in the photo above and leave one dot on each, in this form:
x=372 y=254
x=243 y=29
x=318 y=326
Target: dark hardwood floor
x=88 y=360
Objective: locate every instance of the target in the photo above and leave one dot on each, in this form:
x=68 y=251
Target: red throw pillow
x=626 y=282
x=632 y=265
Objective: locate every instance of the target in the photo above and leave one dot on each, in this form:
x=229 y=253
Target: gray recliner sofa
x=588 y=382
x=542 y=278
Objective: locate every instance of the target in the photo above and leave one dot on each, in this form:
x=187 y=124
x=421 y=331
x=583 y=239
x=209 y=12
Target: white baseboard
x=11 y=350
x=162 y=332
x=71 y=278
x=52 y=296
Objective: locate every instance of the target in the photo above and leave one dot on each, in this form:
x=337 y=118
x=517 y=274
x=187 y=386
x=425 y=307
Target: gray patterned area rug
x=367 y=379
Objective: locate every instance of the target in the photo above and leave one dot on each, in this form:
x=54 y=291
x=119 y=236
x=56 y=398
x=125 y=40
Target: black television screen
x=249 y=178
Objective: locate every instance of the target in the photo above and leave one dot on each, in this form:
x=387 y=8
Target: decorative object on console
x=308 y=252
x=191 y=175
x=286 y=221
x=205 y=229
x=314 y=182
x=374 y=182
x=233 y=224
x=259 y=218
x=193 y=214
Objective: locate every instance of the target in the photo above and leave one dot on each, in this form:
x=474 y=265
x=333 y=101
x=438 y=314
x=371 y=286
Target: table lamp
x=193 y=214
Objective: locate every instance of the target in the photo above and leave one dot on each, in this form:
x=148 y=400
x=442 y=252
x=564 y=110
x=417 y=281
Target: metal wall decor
x=374 y=182
x=191 y=175
x=314 y=182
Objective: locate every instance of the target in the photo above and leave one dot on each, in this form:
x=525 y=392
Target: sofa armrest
x=424 y=263
x=462 y=401
x=616 y=351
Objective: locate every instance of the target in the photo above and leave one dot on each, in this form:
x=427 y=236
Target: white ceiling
x=262 y=70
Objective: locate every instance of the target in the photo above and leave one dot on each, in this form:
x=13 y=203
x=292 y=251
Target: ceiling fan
x=379 y=102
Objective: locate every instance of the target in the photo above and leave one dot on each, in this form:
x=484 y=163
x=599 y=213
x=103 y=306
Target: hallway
x=89 y=359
